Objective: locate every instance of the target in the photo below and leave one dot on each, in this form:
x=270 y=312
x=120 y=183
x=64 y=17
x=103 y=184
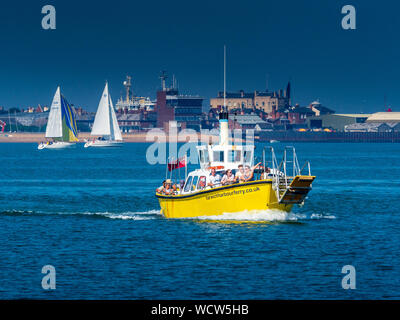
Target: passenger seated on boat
x=160 y=189
x=168 y=188
x=239 y=174
x=215 y=178
x=228 y=178
x=264 y=173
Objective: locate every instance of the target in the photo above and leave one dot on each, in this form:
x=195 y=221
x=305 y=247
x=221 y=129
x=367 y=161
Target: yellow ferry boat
x=275 y=187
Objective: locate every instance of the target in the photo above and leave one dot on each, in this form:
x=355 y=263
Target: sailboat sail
x=105 y=121
x=101 y=125
x=116 y=132
x=70 y=131
x=54 y=127
x=61 y=124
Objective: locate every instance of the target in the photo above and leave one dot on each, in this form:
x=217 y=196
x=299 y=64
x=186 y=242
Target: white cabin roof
x=225 y=156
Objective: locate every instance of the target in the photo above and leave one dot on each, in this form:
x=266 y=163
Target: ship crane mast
x=127 y=85
x=163 y=77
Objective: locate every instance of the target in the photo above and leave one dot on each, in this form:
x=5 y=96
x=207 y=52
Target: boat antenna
x=224 y=115
x=224 y=77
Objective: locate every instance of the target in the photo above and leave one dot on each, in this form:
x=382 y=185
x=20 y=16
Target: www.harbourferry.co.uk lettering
x=231 y=193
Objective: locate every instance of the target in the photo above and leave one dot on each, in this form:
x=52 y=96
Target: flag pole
x=186 y=165
x=172 y=168
x=166 y=169
x=179 y=174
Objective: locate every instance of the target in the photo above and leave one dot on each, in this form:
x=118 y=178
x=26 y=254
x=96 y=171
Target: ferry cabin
x=221 y=158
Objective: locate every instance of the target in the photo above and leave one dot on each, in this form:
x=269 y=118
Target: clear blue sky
x=349 y=71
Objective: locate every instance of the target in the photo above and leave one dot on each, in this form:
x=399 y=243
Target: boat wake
x=141 y=215
x=138 y=215
x=272 y=215
x=242 y=216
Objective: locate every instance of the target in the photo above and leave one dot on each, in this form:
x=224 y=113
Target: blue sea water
x=92 y=214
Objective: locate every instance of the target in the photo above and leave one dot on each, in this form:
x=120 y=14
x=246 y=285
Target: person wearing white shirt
x=214 y=178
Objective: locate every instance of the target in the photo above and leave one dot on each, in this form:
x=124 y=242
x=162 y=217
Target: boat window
x=247 y=156
x=206 y=157
x=188 y=184
x=203 y=154
x=194 y=182
x=219 y=156
x=202 y=183
x=234 y=156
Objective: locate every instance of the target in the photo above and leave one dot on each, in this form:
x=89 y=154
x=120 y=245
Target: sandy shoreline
x=32 y=137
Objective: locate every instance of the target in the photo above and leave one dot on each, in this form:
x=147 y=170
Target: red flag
x=180 y=163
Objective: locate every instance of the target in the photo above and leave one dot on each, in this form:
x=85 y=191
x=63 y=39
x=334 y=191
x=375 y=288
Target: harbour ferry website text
x=234 y=192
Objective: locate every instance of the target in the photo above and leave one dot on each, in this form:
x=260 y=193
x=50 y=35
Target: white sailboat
x=61 y=125
x=105 y=124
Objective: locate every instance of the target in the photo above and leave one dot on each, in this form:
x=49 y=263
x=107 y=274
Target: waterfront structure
x=368 y=127
x=248 y=121
x=395 y=126
x=384 y=117
x=291 y=115
x=338 y=122
x=319 y=109
x=335 y=122
x=132 y=102
x=137 y=120
x=186 y=110
x=256 y=100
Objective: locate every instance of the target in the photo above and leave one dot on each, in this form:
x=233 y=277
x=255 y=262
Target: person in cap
x=168 y=187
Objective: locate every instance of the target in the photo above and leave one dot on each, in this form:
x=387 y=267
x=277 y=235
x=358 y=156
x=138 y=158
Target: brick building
x=257 y=100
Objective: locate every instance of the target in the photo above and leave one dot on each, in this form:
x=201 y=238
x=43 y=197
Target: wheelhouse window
x=247 y=156
x=219 y=156
x=234 y=156
x=194 y=183
x=203 y=154
x=188 y=184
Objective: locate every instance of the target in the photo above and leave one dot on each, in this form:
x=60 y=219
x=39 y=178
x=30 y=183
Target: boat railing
x=284 y=173
x=307 y=163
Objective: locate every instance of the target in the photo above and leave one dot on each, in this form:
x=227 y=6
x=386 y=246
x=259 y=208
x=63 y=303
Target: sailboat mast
x=9 y=119
x=15 y=118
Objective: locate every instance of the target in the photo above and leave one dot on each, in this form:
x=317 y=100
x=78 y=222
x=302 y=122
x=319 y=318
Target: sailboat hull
x=103 y=144
x=56 y=145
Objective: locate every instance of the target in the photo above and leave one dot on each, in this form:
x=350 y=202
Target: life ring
x=216 y=168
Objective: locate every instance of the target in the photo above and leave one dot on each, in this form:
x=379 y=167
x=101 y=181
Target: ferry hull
x=255 y=195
